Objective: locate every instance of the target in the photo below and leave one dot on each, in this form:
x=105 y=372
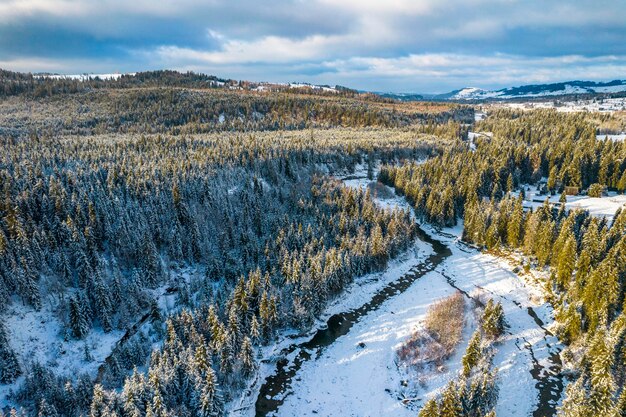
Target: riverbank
x=352 y=372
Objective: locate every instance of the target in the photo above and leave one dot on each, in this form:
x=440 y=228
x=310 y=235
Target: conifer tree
x=566 y=261
x=46 y=409
x=9 y=365
x=247 y=356
x=430 y=409
x=78 y=321
x=450 y=402
x=602 y=382
x=472 y=353
x=493 y=319
x=575 y=400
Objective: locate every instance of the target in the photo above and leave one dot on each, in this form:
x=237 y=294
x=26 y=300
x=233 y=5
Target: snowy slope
x=40 y=337
x=538 y=90
x=82 y=77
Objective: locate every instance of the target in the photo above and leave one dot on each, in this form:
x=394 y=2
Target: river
x=529 y=355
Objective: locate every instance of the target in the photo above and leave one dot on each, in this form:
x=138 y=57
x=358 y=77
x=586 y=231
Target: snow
x=477 y=272
x=474 y=93
x=39 y=336
x=469 y=93
x=605 y=206
x=313 y=87
x=83 y=77
x=474 y=135
x=598 y=207
x=615 y=138
x=36 y=337
x=350 y=381
x=357 y=374
x=602 y=105
x=471 y=136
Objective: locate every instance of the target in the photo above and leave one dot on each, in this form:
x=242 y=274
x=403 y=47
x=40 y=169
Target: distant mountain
x=403 y=96
x=535 y=90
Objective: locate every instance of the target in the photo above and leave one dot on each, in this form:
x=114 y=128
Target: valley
x=182 y=245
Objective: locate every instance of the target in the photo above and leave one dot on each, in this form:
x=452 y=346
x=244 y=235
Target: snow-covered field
x=357 y=374
x=351 y=381
x=605 y=206
x=592 y=105
x=526 y=341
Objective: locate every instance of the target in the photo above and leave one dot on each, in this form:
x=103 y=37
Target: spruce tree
x=575 y=400
x=9 y=365
x=78 y=321
x=451 y=402
x=46 y=409
x=493 y=319
x=430 y=409
x=602 y=382
x=472 y=353
x=247 y=356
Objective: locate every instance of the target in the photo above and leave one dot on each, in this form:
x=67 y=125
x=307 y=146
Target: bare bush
x=441 y=334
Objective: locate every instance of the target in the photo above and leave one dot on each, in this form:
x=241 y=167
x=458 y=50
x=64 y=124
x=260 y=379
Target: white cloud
x=419 y=44
x=314 y=60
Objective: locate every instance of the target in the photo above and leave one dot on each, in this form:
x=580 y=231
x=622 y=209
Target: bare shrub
x=441 y=334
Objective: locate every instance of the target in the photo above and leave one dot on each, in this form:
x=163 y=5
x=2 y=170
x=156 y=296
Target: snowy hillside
x=83 y=77
x=538 y=90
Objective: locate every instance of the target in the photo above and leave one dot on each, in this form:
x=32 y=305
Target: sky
x=376 y=45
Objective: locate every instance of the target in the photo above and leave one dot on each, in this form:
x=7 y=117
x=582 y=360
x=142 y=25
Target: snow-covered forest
x=182 y=245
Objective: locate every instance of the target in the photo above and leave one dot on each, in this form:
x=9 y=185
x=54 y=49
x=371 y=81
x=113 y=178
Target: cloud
x=399 y=44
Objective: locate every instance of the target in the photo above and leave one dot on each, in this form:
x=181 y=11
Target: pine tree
x=575 y=400
x=28 y=284
x=101 y=295
x=157 y=407
x=78 y=321
x=472 y=353
x=602 y=382
x=9 y=365
x=493 y=319
x=451 y=402
x=621 y=404
x=209 y=404
x=566 y=262
x=514 y=227
x=99 y=407
x=151 y=262
x=430 y=409
x=255 y=332
x=509 y=183
x=46 y=409
x=202 y=359
x=247 y=356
